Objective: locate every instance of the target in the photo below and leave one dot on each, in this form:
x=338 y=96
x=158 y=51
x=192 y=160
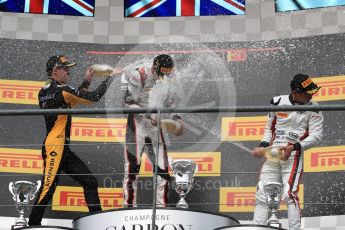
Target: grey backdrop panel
x=258 y=78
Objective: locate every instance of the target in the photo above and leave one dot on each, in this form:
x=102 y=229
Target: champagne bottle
x=274 y=153
x=170 y=125
x=102 y=70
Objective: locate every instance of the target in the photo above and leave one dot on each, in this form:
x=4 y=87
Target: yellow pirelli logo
x=243 y=128
x=19 y=92
x=98 y=129
x=332 y=88
x=324 y=159
x=208 y=162
x=21 y=161
x=242 y=199
x=68 y=198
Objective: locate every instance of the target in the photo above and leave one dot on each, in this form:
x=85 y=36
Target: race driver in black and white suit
x=142 y=131
x=296 y=131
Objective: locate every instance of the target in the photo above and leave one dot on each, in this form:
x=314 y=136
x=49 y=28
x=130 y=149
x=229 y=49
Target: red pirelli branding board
x=324 y=159
x=21 y=161
x=30 y=161
x=67 y=198
x=19 y=92
x=25 y=92
x=243 y=128
x=332 y=88
x=242 y=199
x=98 y=129
x=208 y=163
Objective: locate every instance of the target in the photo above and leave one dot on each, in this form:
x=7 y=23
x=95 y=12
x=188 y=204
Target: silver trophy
x=273 y=192
x=183 y=171
x=23 y=192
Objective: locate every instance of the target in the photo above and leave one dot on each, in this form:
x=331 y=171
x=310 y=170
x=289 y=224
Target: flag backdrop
x=289 y=5
x=61 y=7
x=166 y=8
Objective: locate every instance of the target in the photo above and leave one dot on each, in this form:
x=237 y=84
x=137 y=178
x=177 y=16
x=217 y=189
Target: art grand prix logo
x=324 y=159
x=19 y=92
x=67 y=198
x=243 y=199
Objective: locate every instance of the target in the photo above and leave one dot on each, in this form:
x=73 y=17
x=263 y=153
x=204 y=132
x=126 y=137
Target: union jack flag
x=61 y=7
x=161 y=8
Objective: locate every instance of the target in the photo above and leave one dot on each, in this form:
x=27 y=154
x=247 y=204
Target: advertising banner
x=21 y=160
x=324 y=159
x=67 y=198
x=243 y=128
x=98 y=129
x=208 y=163
x=242 y=199
x=19 y=92
x=332 y=88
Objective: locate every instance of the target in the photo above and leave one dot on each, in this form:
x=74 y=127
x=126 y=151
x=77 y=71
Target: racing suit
x=56 y=154
x=300 y=128
x=142 y=136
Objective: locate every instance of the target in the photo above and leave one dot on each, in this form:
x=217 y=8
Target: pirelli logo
x=19 y=92
x=324 y=159
x=68 y=198
x=332 y=88
x=236 y=55
x=243 y=128
x=21 y=161
x=208 y=162
x=237 y=199
x=242 y=199
x=98 y=129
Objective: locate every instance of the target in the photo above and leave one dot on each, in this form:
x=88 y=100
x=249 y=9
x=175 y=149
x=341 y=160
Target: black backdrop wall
x=209 y=74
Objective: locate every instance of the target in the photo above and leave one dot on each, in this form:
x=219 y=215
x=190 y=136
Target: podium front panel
x=167 y=218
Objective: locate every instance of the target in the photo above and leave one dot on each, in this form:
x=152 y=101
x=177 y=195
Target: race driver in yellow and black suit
x=56 y=152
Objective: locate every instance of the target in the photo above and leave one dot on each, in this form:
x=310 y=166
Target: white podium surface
x=141 y=219
x=308 y=223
